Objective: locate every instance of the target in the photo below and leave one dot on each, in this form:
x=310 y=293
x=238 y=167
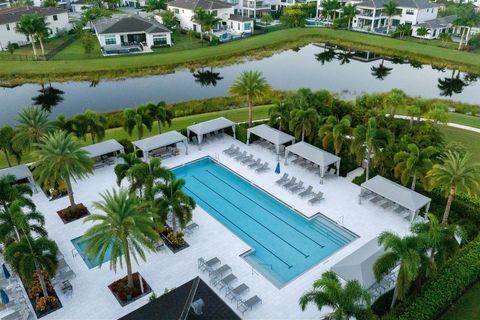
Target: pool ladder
x=74 y=253
x=216 y=156
x=341 y=220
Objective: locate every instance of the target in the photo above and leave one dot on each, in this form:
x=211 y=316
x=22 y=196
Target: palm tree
x=27 y=26
x=336 y=132
x=395 y=99
x=199 y=17
x=138 y=119
x=467 y=18
x=123 y=170
x=348 y=301
x=438 y=113
x=60 y=158
x=11 y=191
x=279 y=114
x=302 y=122
x=6 y=144
x=413 y=163
x=390 y=9
x=412 y=112
x=423 y=32
x=329 y=7
x=404 y=30
x=31 y=256
x=455 y=173
x=93 y=123
x=161 y=114
x=350 y=11
x=406 y=252
x=210 y=22
x=121 y=229
x=41 y=31
x=250 y=84
x=369 y=140
x=15 y=223
x=144 y=175
x=33 y=125
x=381 y=72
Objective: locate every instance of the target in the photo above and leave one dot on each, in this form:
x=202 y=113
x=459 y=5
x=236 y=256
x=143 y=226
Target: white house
x=435 y=27
x=80 y=6
x=65 y=4
x=474 y=2
x=125 y=33
x=4 y=4
x=56 y=18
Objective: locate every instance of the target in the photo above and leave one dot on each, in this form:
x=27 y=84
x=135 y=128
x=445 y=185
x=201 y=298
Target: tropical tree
x=41 y=31
x=15 y=223
x=350 y=11
x=138 y=119
x=161 y=114
x=7 y=134
x=153 y=5
x=414 y=111
x=390 y=9
x=266 y=19
x=407 y=252
x=32 y=256
x=336 y=131
x=250 y=85
x=303 y=121
x=455 y=173
x=144 y=175
x=93 y=123
x=27 y=26
x=414 y=163
x=438 y=114
x=11 y=191
x=348 y=301
x=403 y=30
x=121 y=229
x=169 y=20
x=199 y=17
x=467 y=17
x=123 y=169
x=60 y=158
x=93 y=13
x=33 y=125
x=329 y=7
x=395 y=99
x=279 y=114
x=210 y=22
x=445 y=36
x=423 y=32
x=369 y=140
x=50 y=3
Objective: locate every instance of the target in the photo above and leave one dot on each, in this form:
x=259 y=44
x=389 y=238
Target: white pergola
x=202 y=128
x=159 y=141
x=20 y=172
x=272 y=135
x=404 y=197
x=102 y=148
x=316 y=155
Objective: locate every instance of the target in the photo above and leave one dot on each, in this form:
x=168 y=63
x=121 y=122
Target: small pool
x=314 y=23
x=81 y=246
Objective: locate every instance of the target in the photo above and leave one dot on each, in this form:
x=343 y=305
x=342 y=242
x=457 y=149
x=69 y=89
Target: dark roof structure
x=176 y=305
x=12 y=15
x=440 y=22
x=205 y=4
x=419 y=4
x=127 y=23
x=239 y=18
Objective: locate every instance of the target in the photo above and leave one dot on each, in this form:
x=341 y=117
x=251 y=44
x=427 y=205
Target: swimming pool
x=284 y=243
x=81 y=246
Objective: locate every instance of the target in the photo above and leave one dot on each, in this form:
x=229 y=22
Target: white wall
x=238 y=27
x=149 y=37
x=184 y=16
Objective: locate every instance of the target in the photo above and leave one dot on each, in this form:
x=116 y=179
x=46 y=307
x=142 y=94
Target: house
x=79 y=6
x=126 y=33
x=435 y=26
x=65 y=4
x=56 y=18
x=4 y=4
x=474 y=2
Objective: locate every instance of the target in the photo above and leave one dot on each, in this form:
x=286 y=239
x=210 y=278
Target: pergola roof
x=359 y=264
x=104 y=147
x=273 y=135
x=210 y=126
x=313 y=154
x=160 y=140
x=397 y=193
x=20 y=172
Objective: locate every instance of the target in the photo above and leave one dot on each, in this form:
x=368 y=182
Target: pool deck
x=92 y=299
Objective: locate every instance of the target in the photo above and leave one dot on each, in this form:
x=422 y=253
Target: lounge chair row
x=212 y=136
x=386 y=204
x=294 y=186
x=221 y=277
x=245 y=159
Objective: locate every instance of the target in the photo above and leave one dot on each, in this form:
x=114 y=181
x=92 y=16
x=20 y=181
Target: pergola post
x=233 y=129
x=186 y=146
x=427 y=208
x=199 y=139
x=338 y=168
x=188 y=134
x=322 y=174
x=277 y=149
x=286 y=156
x=248 y=137
x=414 y=215
x=32 y=184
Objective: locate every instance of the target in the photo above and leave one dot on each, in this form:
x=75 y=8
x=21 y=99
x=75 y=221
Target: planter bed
x=174 y=248
x=119 y=289
x=68 y=215
x=34 y=293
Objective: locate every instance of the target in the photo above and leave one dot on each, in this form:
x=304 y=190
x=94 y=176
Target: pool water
x=284 y=243
x=81 y=246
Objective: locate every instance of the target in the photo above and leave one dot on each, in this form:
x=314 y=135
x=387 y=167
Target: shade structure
x=272 y=135
x=20 y=172
x=6 y=273
x=315 y=155
x=102 y=148
x=202 y=128
x=398 y=194
x=4 y=297
x=359 y=264
x=159 y=141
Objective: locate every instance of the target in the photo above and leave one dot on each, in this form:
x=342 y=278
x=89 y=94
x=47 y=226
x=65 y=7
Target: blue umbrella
x=5 y=271
x=277 y=168
x=4 y=297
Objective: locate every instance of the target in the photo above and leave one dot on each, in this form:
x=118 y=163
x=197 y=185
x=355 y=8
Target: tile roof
x=205 y=4
x=11 y=15
x=440 y=22
x=127 y=23
x=419 y=4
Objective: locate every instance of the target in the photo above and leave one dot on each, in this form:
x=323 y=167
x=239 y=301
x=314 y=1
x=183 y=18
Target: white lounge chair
x=297 y=188
x=316 y=198
x=248 y=159
x=234 y=294
x=189 y=228
x=242 y=156
x=290 y=183
x=243 y=306
x=229 y=149
x=263 y=167
x=283 y=179
x=257 y=163
x=307 y=192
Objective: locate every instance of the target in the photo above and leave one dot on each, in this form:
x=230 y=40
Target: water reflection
x=450 y=85
x=207 y=77
x=327 y=55
x=381 y=71
x=48 y=98
x=344 y=56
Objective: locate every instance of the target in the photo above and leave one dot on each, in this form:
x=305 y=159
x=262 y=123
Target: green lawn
x=463 y=119
x=469 y=139
x=27 y=50
x=467 y=307
x=75 y=51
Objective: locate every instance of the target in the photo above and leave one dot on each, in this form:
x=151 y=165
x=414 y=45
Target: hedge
x=439 y=293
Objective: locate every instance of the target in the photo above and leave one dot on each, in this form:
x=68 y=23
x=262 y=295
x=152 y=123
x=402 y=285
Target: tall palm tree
x=350 y=11
x=406 y=252
x=403 y=30
x=279 y=114
x=303 y=121
x=93 y=123
x=41 y=31
x=423 y=32
x=121 y=229
x=199 y=17
x=123 y=170
x=15 y=223
x=27 y=26
x=336 y=132
x=32 y=256
x=348 y=301
x=138 y=119
x=369 y=140
x=455 y=173
x=210 y=22
x=60 y=158
x=33 y=125
x=7 y=134
x=250 y=85
x=161 y=114
x=414 y=163
x=395 y=99
x=11 y=191
x=329 y=7
x=390 y=9
x=144 y=175
x=414 y=111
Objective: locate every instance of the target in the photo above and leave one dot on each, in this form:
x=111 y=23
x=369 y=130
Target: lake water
x=346 y=73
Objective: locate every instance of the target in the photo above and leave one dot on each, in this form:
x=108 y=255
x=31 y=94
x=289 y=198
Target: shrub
x=127 y=145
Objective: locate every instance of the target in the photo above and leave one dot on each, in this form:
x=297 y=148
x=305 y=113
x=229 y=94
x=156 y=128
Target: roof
x=397 y=193
x=359 y=264
x=160 y=140
x=205 y=4
x=176 y=304
x=81 y=2
x=20 y=172
x=127 y=23
x=273 y=135
x=210 y=126
x=104 y=147
x=313 y=154
x=419 y=4
x=239 y=18
x=11 y=15
x=440 y=22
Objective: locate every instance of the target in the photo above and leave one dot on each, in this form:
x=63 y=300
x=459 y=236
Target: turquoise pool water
x=284 y=243
x=81 y=246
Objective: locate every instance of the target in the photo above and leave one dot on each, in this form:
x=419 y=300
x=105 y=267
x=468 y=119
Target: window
x=410 y=12
x=159 y=40
x=109 y=40
x=238 y=26
x=248 y=26
x=177 y=11
x=8 y=27
x=215 y=12
x=55 y=17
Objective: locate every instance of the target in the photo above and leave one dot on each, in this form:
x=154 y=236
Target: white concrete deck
x=92 y=299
